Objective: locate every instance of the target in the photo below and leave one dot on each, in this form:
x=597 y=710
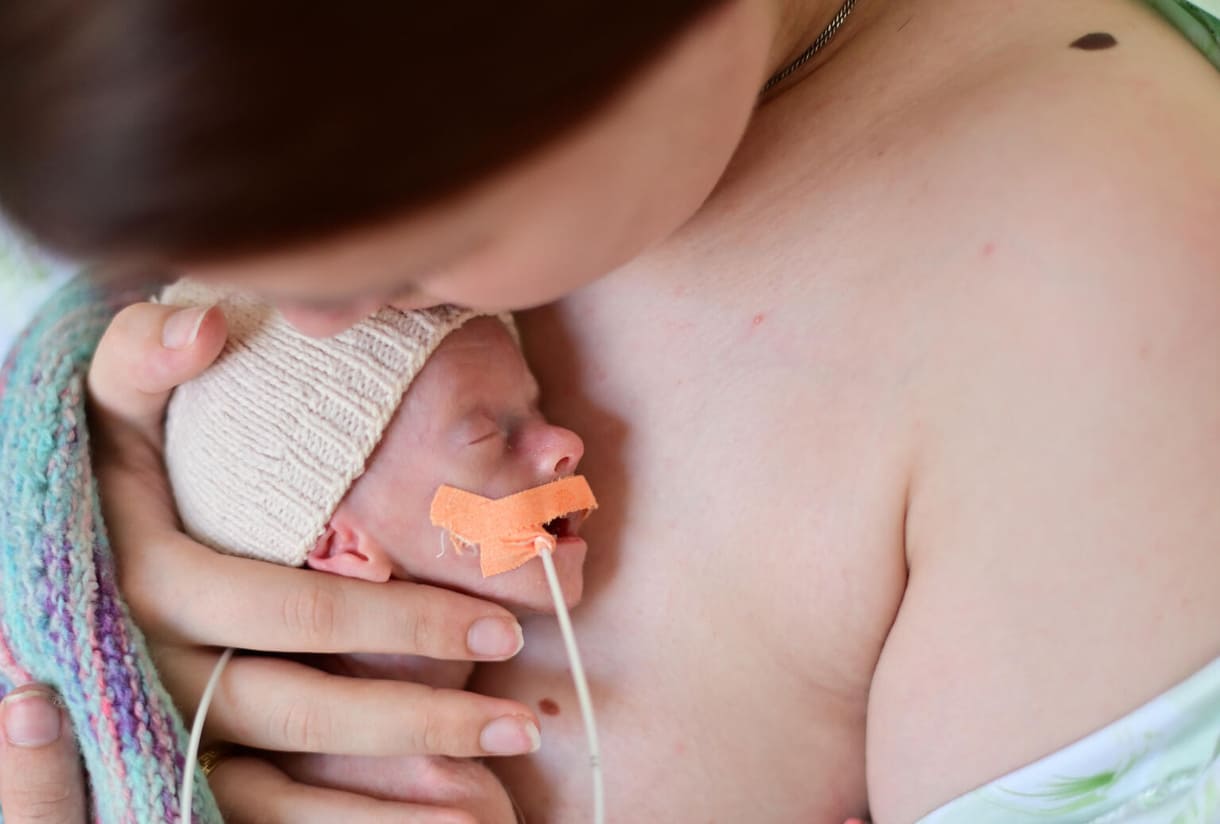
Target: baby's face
x=470 y=420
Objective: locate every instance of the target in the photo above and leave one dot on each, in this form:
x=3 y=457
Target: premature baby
x=330 y=452
x=388 y=451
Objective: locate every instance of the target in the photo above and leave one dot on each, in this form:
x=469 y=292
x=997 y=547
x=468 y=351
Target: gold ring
x=211 y=756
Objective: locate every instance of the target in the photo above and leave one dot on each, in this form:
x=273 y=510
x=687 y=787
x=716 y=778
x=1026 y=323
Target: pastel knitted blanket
x=62 y=620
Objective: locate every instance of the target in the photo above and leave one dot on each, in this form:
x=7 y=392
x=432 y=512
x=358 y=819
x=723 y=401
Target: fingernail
x=495 y=638
x=181 y=328
x=31 y=719
x=510 y=735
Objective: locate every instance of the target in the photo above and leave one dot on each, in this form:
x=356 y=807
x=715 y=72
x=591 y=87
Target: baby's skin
x=470 y=420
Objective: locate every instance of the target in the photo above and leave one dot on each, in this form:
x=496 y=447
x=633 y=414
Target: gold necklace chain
x=816 y=46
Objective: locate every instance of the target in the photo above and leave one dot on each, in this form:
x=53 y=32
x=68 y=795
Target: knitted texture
x=62 y=620
x=262 y=447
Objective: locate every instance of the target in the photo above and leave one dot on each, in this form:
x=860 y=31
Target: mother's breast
x=743 y=569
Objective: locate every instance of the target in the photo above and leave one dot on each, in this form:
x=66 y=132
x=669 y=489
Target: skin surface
x=470 y=419
x=39 y=764
x=905 y=441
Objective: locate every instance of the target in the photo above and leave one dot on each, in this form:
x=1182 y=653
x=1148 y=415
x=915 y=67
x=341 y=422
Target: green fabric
x=1198 y=20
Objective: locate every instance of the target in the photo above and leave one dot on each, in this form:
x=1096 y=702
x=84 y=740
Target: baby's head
x=329 y=452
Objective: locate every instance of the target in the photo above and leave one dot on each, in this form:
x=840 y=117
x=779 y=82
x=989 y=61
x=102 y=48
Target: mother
x=901 y=387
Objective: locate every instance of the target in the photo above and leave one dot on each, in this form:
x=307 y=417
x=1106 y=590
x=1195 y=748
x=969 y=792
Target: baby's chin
x=525 y=589
x=522 y=590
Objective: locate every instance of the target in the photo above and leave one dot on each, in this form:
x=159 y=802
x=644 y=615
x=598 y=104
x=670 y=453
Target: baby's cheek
x=495 y=478
x=359 y=774
x=414 y=668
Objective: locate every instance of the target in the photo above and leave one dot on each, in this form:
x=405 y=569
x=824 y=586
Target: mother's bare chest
x=741 y=571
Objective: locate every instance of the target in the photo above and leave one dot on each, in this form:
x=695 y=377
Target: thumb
x=40 y=774
x=147 y=350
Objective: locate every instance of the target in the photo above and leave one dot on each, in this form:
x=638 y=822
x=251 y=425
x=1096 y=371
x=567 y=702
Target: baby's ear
x=347 y=549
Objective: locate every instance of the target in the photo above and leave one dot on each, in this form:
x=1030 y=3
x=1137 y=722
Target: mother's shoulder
x=1054 y=163
x=1127 y=111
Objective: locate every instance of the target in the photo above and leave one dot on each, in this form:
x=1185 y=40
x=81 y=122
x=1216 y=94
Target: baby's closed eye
x=492 y=437
x=478 y=429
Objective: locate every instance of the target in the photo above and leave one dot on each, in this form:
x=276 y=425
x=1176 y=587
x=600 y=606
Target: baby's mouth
x=509 y=531
x=566 y=526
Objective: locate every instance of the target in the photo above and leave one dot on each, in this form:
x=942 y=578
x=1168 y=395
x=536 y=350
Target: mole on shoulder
x=1093 y=41
x=548 y=706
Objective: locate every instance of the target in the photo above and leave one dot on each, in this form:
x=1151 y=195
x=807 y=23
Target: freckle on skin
x=758 y=319
x=548 y=706
x=1094 y=41
x=989 y=248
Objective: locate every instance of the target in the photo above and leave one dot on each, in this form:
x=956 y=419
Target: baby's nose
x=557 y=451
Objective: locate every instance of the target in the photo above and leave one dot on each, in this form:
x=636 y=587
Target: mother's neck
x=797 y=24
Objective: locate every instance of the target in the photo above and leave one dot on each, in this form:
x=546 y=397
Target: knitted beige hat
x=262 y=447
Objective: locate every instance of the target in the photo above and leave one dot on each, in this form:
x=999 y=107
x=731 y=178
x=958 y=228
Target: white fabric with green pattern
x=1198 y=20
x=1158 y=765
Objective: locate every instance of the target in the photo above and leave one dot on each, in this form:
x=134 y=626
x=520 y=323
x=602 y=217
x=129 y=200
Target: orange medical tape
x=508 y=530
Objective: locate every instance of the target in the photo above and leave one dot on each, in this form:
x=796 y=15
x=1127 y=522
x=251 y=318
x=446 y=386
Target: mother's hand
x=40 y=773
x=463 y=787
x=189 y=601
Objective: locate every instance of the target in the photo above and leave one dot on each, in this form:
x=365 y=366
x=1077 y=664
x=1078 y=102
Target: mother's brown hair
x=175 y=130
